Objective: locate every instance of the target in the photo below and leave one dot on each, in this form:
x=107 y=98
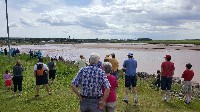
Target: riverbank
x=64 y=100
x=140 y=46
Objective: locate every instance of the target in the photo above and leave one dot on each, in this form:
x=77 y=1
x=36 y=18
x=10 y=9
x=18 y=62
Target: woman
x=110 y=105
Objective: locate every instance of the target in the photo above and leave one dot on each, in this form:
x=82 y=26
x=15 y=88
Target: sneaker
x=37 y=95
x=167 y=99
x=125 y=100
x=164 y=98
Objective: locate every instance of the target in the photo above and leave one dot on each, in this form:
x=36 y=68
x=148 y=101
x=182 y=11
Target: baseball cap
x=167 y=56
x=130 y=54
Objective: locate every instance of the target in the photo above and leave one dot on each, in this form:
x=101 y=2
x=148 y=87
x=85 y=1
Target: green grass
x=64 y=100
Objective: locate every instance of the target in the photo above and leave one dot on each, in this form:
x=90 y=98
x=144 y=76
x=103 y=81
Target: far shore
x=142 y=46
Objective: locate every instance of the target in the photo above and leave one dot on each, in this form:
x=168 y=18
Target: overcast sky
x=111 y=19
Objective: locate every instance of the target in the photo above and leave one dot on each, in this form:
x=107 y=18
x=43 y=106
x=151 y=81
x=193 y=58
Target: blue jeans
x=90 y=105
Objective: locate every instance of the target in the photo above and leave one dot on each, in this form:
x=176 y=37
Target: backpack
x=40 y=69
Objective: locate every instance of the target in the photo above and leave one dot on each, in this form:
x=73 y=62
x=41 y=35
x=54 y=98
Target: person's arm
x=107 y=86
x=116 y=83
x=75 y=90
x=103 y=99
x=35 y=73
x=76 y=81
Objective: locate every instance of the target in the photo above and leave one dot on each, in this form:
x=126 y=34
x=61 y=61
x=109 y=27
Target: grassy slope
x=62 y=98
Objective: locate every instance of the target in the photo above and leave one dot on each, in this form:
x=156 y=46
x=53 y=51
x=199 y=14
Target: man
x=167 y=72
x=130 y=66
x=52 y=70
x=115 y=65
x=81 y=62
x=41 y=73
x=91 y=79
x=18 y=77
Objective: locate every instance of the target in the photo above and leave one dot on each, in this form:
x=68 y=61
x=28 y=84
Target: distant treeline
x=20 y=40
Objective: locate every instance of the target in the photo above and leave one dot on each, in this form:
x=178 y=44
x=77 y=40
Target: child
x=157 y=83
x=8 y=79
x=187 y=85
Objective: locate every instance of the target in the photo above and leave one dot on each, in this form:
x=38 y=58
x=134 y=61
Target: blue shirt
x=91 y=79
x=130 y=66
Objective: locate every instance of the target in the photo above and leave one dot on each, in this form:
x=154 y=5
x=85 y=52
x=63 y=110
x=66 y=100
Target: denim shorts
x=166 y=83
x=130 y=80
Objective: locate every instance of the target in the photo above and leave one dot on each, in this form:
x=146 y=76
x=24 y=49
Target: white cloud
x=106 y=18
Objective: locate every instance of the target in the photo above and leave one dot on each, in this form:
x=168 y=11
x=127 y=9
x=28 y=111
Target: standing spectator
x=5 y=51
x=1 y=51
x=41 y=73
x=18 y=77
x=111 y=100
x=187 y=76
x=130 y=66
x=115 y=65
x=8 y=79
x=31 y=54
x=39 y=54
x=157 y=83
x=106 y=59
x=17 y=51
x=91 y=79
x=81 y=62
x=52 y=70
x=167 y=72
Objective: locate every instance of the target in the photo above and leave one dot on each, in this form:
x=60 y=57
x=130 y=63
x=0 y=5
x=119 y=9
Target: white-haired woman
x=111 y=100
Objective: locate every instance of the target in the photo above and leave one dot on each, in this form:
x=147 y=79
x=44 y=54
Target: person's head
x=94 y=58
x=188 y=66
x=130 y=55
x=158 y=71
x=81 y=56
x=40 y=59
x=168 y=57
x=6 y=71
x=107 y=55
x=18 y=62
x=107 y=67
x=113 y=55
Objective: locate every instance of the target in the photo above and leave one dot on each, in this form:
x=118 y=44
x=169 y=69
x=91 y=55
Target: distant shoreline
x=142 y=46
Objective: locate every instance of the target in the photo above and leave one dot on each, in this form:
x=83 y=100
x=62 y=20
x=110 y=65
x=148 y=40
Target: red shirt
x=114 y=84
x=188 y=75
x=168 y=68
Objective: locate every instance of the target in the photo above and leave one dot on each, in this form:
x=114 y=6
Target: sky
x=103 y=19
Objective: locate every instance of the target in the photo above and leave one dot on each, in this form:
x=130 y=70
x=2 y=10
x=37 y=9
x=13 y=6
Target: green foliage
x=64 y=100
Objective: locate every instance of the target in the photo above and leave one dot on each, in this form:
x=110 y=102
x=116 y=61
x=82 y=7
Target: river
x=149 y=60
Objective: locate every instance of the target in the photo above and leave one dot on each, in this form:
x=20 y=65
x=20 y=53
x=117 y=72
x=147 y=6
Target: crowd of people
x=98 y=81
x=13 y=51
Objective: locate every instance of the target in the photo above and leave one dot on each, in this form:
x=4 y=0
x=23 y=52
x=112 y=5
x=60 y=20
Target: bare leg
x=37 y=89
x=168 y=95
x=47 y=89
x=163 y=94
x=135 y=95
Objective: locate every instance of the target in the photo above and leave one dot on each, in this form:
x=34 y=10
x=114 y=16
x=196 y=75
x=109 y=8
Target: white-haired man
x=91 y=79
